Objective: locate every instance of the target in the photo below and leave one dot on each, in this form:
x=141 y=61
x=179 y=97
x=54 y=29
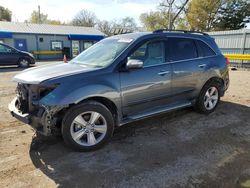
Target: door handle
x=162 y=73
x=202 y=65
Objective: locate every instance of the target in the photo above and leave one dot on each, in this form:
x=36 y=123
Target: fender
x=215 y=74
x=62 y=97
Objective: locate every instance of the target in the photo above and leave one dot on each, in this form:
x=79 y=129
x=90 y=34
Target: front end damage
x=27 y=107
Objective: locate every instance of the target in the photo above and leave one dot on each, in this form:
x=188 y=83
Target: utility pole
x=169 y=14
x=39 y=15
x=169 y=17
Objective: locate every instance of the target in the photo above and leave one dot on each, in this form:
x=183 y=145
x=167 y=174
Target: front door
x=75 y=48
x=148 y=87
x=20 y=44
x=8 y=56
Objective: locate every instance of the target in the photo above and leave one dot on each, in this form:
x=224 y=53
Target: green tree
x=5 y=14
x=55 y=22
x=34 y=18
x=201 y=14
x=169 y=14
x=232 y=15
x=154 y=20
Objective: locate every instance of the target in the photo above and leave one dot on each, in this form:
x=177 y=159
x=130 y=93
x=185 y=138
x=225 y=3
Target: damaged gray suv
x=119 y=80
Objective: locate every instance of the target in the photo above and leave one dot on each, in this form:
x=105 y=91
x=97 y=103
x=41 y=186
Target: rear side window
x=182 y=49
x=204 y=50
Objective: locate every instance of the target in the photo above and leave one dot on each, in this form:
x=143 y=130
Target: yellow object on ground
x=46 y=52
x=238 y=56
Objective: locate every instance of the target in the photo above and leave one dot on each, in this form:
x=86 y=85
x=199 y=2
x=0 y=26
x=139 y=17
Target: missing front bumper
x=44 y=120
x=25 y=118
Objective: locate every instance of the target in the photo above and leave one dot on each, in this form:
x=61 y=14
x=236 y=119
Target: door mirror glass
x=134 y=64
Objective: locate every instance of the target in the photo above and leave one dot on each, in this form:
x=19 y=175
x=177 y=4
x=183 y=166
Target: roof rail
x=184 y=31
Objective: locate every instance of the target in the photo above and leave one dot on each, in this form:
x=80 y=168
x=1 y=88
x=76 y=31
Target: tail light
x=227 y=60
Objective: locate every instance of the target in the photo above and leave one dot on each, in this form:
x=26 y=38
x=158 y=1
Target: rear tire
x=87 y=126
x=209 y=98
x=23 y=63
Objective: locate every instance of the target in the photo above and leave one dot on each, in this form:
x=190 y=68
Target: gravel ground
x=179 y=149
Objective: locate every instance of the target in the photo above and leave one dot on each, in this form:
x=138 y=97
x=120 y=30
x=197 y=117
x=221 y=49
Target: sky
x=64 y=10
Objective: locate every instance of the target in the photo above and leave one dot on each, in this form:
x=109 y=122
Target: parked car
x=12 y=56
x=119 y=80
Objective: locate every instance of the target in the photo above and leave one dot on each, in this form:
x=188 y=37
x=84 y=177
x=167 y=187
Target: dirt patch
x=179 y=149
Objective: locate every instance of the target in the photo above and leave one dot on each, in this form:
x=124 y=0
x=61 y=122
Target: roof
x=137 y=35
x=17 y=27
x=131 y=35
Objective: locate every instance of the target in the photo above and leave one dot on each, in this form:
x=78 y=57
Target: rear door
x=185 y=63
x=8 y=56
x=149 y=87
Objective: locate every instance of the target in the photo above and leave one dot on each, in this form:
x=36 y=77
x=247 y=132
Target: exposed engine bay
x=45 y=119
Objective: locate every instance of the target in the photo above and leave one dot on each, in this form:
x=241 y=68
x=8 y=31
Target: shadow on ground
x=11 y=68
x=179 y=149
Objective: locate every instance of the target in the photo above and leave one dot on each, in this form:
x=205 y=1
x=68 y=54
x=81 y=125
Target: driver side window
x=4 y=49
x=150 y=53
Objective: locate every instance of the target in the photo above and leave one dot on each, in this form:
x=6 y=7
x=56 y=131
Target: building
x=233 y=41
x=48 y=41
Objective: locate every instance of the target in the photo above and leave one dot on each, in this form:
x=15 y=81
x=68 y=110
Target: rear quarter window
x=182 y=49
x=204 y=50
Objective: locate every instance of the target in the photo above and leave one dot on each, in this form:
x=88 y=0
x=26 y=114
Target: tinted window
x=151 y=53
x=56 y=45
x=204 y=49
x=4 y=49
x=181 y=49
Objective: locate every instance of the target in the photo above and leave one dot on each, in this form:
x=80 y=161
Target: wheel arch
x=218 y=80
x=108 y=103
x=23 y=57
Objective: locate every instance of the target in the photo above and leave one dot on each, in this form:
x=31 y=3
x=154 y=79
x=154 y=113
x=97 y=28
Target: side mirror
x=134 y=64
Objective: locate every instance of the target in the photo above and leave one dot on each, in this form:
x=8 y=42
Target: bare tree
x=173 y=8
x=105 y=27
x=84 y=18
x=124 y=25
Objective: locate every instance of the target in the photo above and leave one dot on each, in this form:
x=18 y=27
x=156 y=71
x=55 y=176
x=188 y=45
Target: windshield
x=102 y=53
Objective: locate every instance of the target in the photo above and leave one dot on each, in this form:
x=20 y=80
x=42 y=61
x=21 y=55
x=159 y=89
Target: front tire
x=24 y=63
x=87 y=126
x=209 y=98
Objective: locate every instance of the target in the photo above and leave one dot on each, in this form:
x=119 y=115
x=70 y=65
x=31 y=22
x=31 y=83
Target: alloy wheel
x=88 y=128
x=211 y=98
x=24 y=63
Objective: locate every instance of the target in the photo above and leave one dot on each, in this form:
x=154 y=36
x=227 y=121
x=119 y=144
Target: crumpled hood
x=39 y=74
